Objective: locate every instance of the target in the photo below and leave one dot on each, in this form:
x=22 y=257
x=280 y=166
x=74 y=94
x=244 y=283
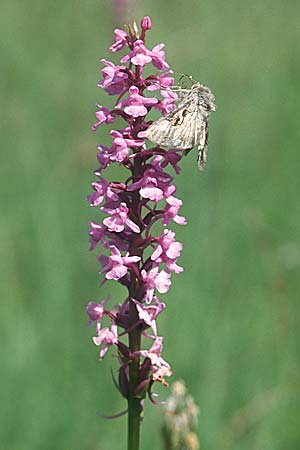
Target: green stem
x=134 y=403
x=134 y=422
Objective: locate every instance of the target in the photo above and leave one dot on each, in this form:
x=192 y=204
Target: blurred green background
x=232 y=323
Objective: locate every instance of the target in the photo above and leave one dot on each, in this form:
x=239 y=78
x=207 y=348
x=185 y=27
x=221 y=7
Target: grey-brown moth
x=187 y=125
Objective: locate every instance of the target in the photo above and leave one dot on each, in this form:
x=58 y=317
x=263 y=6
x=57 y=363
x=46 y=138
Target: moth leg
x=178 y=89
x=187 y=151
x=202 y=150
x=185 y=76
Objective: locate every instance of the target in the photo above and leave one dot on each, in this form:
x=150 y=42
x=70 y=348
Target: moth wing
x=177 y=129
x=160 y=131
x=185 y=134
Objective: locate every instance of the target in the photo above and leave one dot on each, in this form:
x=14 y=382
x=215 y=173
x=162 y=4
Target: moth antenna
x=185 y=75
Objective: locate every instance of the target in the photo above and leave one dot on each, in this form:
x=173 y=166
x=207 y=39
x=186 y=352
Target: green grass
x=232 y=323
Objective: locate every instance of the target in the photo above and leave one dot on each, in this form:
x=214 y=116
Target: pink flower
x=167 y=251
x=148 y=314
x=155 y=280
x=135 y=104
x=103 y=157
x=167 y=104
x=139 y=55
x=95 y=311
x=172 y=157
x=103 y=115
x=97 y=232
x=155 y=184
x=148 y=188
x=102 y=189
x=116 y=266
x=118 y=219
x=121 y=146
x=158 y=57
x=114 y=78
x=120 y=40
x=162 y=81
x=171 y=211
x=106 y=337
x=159 y=366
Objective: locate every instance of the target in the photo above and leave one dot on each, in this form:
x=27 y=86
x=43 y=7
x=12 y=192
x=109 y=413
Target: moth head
x=208 y=99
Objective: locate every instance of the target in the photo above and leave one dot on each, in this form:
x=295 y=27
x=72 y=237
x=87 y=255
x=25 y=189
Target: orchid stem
x=134 y=422
x=134 y=403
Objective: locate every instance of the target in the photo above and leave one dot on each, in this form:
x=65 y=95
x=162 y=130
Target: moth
x=187 y=125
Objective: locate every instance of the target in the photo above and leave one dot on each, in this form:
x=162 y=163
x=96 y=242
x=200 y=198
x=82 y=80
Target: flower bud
x=146 y=23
